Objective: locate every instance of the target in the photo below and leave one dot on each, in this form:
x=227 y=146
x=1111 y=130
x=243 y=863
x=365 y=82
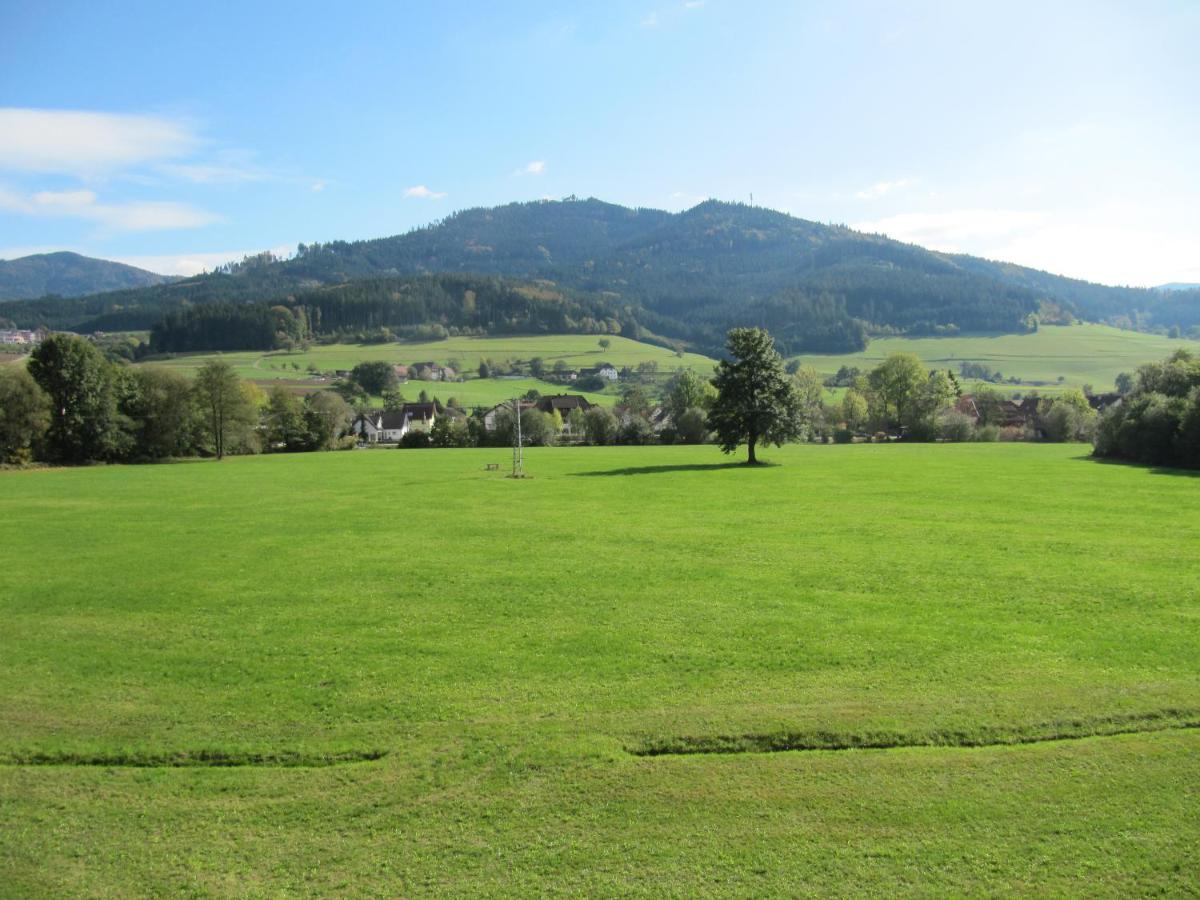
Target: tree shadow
x=1149 y=467
x=682 y=467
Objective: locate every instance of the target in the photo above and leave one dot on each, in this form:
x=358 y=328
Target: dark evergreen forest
x=589 y=266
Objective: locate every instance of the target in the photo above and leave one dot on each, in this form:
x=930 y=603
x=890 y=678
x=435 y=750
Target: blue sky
x=177 y=135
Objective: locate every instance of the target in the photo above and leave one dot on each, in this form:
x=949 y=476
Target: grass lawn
x=575 y=350
x=1081 y=354
x=418 y=676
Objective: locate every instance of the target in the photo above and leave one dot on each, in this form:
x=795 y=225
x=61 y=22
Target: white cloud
x=949 y=230
x=82 y=204
x=423 y=193
x=71 y=142
x=537 y=167
x=205 y=173
x=684 y=200
x=650 y=21
x=881 y=188
x=1079 y=248
x=194 y=263
x=317 y=186
x=693 y=4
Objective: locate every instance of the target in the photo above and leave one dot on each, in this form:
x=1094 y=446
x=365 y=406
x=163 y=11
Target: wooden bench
x=493 y=467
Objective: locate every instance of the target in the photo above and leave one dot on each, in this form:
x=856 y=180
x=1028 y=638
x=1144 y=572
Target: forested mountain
x=687 y=276
x=68 y=275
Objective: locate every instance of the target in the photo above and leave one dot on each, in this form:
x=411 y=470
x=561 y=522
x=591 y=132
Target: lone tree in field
x=224 y=407
x=756 y=400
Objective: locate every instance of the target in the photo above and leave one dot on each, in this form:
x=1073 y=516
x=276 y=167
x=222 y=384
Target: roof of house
x=392 y=420
x=419 y=410
x=564 y=403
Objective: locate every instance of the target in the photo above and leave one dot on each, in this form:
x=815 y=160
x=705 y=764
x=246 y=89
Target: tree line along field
x=399 y=673
x=1081 y=354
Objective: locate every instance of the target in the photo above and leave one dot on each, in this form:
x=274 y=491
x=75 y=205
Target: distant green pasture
x=576 y=351
x=1080 y=354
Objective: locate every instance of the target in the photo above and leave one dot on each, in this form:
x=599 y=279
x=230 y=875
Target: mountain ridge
x=69 y=274
x=688 y=276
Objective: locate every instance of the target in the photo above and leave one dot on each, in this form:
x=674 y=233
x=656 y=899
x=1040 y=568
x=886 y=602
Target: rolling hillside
x=687 y=276
x=69 y=275
x=1078 y=354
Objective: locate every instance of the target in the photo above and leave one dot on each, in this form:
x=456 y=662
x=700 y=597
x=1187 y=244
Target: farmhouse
x=428 y=371
x=607 y=372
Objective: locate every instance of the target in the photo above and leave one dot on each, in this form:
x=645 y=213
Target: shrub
x=955 y=426
x=988 y=433
x=415 y=440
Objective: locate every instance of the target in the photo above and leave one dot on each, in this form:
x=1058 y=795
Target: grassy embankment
x=508 y=649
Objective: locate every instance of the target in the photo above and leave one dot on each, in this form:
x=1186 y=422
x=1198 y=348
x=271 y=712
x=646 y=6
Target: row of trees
x=1158 y=421
x=72 y=405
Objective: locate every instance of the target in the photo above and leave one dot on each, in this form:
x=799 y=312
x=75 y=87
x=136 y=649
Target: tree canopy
x=756 y=401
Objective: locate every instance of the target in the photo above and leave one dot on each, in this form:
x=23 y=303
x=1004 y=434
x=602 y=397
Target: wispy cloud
x=202 y=173
x=72 y=142
x=83 y=204
x=882 y=188
x=950 y=230
x=421 y=192
x=537 y=167
x=650 y=20
x=195 y=263
x=1065 y=245
x=693 y=4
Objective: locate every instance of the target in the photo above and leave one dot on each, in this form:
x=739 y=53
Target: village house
x=564 y=404
x=18 y=337
x=428 y=371
x=390 y=426
x=607 y=372
x=491 y=417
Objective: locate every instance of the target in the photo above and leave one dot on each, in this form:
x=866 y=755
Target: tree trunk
x=752 y=461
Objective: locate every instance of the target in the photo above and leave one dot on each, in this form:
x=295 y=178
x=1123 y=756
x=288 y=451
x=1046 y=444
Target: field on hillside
x=575 y=350
x=468 y=394
x=396 y=673
x=1081 y=354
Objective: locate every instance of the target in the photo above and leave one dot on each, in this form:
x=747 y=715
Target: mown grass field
x=1080 y=354
x=575 y=350
x=485 y=662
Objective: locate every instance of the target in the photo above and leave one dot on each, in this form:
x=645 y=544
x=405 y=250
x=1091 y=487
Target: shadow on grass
x=661 y=470
x=1149 y=467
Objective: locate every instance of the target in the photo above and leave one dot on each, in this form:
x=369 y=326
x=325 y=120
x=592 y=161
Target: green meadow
x=905 y=669
x=575 y=350
x=1079 y=354
x=490 y=391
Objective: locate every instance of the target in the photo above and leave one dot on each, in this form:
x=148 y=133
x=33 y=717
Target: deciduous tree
x=225 y=408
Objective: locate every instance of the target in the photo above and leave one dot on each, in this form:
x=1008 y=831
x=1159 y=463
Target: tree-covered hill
x=68 y=275
x=688 y=276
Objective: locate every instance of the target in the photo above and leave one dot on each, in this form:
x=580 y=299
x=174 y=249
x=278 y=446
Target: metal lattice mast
x=518 y=455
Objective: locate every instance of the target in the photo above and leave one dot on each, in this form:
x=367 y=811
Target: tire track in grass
x=191 y=758
x=984 y=736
